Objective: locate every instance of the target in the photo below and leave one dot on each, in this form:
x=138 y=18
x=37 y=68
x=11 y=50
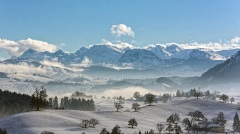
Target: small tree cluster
x=47 y=132
x=120 y=98
x=193 y=93
x=90 y=123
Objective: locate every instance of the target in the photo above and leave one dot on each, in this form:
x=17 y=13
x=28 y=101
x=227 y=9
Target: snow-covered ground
x=68 y=121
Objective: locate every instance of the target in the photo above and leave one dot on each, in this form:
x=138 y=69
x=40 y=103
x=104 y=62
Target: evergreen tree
x=236 y=123
x=50 y=103
x=104 y=131
x=116 y=130
x=55 y=102
x=62 y=103
x=178 y=94
x=220 y=119
x=192 y=92
x=66 y=102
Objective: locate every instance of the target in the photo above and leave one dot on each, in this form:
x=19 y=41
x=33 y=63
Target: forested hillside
x=12 y=103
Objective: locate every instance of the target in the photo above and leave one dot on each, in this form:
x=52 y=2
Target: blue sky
x=84 y=22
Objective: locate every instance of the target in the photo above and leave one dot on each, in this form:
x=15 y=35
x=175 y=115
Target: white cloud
x=86 y=62
x=128 y=92
x=235 y=40
x=24 y=68
x=215 y=46
x=122 y=30
x=120 y=45
x=17 y=48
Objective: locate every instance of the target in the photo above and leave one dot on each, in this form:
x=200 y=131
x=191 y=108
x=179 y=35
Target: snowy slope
x=68 y=121
x=227 y=72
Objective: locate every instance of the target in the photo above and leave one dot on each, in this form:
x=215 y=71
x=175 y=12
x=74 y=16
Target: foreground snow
x=68 y=121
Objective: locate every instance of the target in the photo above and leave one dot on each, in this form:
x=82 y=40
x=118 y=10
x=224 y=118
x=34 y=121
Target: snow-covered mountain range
x=168 y=60
x=108 y=54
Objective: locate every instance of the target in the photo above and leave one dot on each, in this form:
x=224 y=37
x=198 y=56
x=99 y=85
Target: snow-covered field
x=68 y=121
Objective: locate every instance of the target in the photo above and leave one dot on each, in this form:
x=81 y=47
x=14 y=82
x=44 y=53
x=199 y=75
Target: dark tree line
x=193 y=93
x=12 y=103
x=71 y=103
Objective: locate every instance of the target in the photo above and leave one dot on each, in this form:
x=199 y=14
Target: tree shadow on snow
x=76 y=129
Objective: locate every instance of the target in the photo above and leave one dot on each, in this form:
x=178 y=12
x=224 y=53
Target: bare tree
x=160 y=128
x=118 y=105
x=135 y=106
x=93 y=122
x=132 y=122
x=39 y=98
x=150 y=98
